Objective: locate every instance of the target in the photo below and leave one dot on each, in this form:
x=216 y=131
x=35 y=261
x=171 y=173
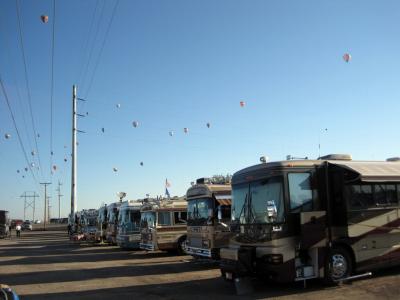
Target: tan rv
x=330 y=218
x=163 y=224
x=209 y=214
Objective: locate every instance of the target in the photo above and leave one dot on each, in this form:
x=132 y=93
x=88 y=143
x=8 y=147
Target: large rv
x=128 y=235
x=101 y=224
x=89 y=224
x=327 y=218
x=163 y=224
x=112 y=222
x=5 y=224
x=209 y=215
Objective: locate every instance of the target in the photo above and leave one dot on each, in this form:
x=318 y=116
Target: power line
x=52 y=87
x=102 y=47
x=85 y=48
x=16 y=128
x=26 y=79
x=92 y=46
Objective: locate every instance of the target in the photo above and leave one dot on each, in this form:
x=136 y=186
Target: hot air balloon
x=33 y=152
x=51 y=152
x=171 y=133
x=115 y=169
x=135 y=124
x=55 y=168
x=65 y=146
x=7 y=135
x=17 y=171
x=102 y=129
x=346 y=57
x=26 y=169
x=32 y=165
x=65 y=159
x=38 y=135
x=118 y=105
x=23 y=176
x=185 y=130
x=141 y=163
x=242 y=104
x=44 y=18
x=208 y=125
x=87 y=113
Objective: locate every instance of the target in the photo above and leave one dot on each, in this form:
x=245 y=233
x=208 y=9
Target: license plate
x=228 y=276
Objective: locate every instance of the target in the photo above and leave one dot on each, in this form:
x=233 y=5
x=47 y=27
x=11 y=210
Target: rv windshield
x=258 y=202
x=91 y=221
x=198 y=211
x=148 y=219
x=129 y=216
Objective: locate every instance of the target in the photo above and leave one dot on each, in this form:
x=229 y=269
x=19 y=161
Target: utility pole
x=74 y=200
x=45 y=204
x=59 y=196
x=73 y=160
x=48 y=209
x=29 y=203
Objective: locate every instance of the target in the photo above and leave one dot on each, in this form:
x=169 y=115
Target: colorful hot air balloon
x=7 y=135
x=171 y=133
x=118 y=105
x=33 y=152
x=38 y=135
x=26 y=169
x=208 y=125
x=242 y=104
x=23 y=176
x=44 y=18
x=135 y=124
x=17 y=171
x=51 y=153
x=115 y=169
x=185 y=130
x=141 y=163
x=32 y=165
x=102 y=129
x=65 y=159
x=346 y=57
x=55 y=168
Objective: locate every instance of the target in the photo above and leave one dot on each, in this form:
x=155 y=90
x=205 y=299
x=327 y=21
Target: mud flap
x=244 y=286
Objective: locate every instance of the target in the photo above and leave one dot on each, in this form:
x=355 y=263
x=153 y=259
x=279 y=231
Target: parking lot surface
x=46 y=265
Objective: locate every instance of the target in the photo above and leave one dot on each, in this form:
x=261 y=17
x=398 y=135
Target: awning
x=224 y=199
x=373 y=171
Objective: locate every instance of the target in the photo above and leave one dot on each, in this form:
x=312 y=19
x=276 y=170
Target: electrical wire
x=52 y=88
x=102 y=47
x=86 y=68
x=85 y=47
x=27 y=80
x=16 y=130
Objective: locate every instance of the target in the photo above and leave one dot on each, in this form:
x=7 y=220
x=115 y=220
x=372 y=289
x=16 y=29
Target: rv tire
x=338 y=265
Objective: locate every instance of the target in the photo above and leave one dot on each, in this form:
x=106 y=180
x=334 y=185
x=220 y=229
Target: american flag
x=167 y=184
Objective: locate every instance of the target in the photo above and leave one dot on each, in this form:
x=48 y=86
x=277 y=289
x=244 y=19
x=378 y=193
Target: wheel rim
x=339 y=266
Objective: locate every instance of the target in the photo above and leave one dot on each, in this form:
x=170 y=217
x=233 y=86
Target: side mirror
x=272 y=212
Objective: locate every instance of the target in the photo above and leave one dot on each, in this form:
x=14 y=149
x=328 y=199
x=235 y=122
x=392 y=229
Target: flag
x=167 y=184
x=167 y=193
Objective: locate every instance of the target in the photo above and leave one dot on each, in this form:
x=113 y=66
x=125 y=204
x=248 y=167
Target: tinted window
x=180 y=217
x=372 y=196
x=300 y=192
x=164 y=218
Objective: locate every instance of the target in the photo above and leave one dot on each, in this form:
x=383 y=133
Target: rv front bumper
x=198 y=251
x=148 y=247
x=128 y=241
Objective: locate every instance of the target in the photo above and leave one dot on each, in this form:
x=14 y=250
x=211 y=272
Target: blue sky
x=175 y=64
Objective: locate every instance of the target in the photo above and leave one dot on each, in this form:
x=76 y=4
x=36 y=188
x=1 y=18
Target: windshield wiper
x=248 y=210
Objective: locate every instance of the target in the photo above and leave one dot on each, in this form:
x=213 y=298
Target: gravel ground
x=45 y=265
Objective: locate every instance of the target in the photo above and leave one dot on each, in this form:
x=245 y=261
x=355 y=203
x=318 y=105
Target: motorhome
x=128 y=235
x=300 y=219
x=209 y=215
x=112 y=222
x=5 y=224
x=101 y=224
x=89 y=224
x=163 y=224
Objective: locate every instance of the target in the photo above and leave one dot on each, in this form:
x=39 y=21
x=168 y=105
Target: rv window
x=300 y=192
x=180 y=217
x=225 y=212
x=385 y=195
x=361 y=196
x=164 y=218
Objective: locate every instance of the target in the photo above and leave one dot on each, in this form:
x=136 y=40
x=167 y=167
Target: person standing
x=18 y=230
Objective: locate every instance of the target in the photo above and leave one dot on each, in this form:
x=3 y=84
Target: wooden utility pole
x=45 y=203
